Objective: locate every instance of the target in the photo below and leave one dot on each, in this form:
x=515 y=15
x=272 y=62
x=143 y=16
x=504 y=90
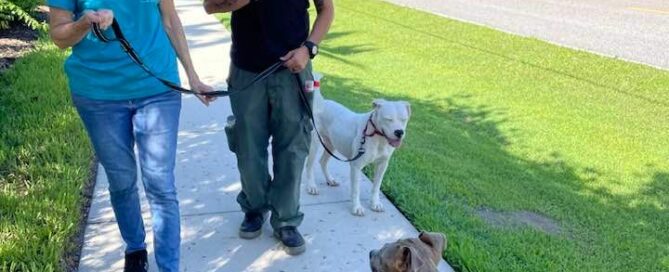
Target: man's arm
x=324 y=17
x=297 y=59
x=222 y=6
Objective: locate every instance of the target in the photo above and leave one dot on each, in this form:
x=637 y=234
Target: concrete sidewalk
x=208 y=182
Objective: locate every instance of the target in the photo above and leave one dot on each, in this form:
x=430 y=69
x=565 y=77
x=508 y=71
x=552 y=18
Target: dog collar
x=376 y=131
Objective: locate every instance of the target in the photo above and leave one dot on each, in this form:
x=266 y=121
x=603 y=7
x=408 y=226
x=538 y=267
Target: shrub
x=19 y=11
x=28 y=5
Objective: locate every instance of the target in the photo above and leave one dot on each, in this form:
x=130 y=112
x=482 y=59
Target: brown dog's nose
x=399 y=133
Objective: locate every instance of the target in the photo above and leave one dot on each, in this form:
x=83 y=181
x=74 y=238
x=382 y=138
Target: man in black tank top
x=263 y=33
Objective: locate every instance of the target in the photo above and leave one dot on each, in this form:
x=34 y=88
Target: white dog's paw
x=358 y=210
x=312 y=189
x=332 y=183
x=377 y=206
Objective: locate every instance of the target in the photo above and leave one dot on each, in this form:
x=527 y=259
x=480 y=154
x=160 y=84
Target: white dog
x=343 y=131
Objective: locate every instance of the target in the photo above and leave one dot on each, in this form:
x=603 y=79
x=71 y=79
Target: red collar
x=376 y=130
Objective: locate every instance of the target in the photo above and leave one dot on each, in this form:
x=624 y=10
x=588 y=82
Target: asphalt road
x=636 y=31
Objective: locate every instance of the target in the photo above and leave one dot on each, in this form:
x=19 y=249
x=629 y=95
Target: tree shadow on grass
x=482 y=49
x=339 y=53
x=455 y=161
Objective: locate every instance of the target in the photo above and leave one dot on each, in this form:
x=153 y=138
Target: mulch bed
x=14 y=43
x=18 y=40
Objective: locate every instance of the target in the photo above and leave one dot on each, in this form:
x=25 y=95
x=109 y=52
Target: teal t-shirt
x=99 y=70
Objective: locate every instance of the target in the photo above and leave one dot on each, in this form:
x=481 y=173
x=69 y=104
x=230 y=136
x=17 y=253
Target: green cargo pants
x=270 y=108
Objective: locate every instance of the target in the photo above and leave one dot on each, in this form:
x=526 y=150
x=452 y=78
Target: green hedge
x=28 y=5
x=22 y=11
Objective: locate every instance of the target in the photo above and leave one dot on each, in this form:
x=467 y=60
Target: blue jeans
x=152 y=123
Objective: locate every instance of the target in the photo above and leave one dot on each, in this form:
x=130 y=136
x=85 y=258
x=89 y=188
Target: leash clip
x=309 y=86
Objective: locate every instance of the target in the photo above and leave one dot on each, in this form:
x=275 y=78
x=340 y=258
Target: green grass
x=508 y=123
x=44 y=163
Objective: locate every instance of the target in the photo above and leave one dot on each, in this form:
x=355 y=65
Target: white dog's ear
x=378 y=102
x=408 y=105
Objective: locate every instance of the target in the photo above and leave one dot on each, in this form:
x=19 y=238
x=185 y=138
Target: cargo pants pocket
x=230 y=133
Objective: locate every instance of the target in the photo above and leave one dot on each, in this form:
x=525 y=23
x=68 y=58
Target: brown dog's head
x=420 y=254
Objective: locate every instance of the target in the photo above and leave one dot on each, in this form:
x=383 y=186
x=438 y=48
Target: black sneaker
x=252 y=225
x=291 y=239
x=136 y=262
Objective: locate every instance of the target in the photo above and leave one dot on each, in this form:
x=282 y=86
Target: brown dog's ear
x=436 y=241
x=407 y=260
x=404 y=260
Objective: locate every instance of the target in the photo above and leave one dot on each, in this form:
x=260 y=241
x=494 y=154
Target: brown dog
x=421 y=254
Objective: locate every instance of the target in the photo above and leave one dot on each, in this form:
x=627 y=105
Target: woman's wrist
x=82 y=24
x=193 y=77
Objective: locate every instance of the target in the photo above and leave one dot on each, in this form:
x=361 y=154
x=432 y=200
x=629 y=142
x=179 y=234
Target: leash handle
x=128 y=49
x=305 y=101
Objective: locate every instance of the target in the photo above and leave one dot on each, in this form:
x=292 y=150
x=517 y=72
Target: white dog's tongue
x=395 y=143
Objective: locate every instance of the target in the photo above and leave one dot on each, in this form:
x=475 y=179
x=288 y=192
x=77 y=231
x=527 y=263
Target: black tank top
x=265 y=30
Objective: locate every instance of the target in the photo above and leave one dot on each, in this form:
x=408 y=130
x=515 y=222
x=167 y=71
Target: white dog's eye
x=403 y=119
x=389 y=119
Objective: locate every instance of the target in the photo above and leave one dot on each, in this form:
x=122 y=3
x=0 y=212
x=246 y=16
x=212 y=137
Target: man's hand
x=227 y=3
x=297 y=59
x=221 y=6
x=198 y=86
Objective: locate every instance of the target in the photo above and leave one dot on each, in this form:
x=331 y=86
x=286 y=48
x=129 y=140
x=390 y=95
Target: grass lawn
x=45 y=159
x=529 y=156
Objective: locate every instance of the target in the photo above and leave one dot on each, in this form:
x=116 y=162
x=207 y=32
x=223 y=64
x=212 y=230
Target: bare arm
x=324 y=17
x=297 y=59
x=222 y=6
x=175 y=32
x=65 y=32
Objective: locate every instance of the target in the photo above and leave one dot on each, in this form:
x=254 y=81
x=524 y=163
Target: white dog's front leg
x=379 y=172
x=325 y=158
x=355 y=191
x=309 y=167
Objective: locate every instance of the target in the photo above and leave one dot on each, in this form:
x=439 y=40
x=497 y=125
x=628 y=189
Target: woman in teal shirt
x=122 y=106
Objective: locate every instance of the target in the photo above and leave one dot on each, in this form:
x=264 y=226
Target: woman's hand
x=102 y=17
x=177 y=37
x=65 y=32
x=197 y=86
x=88 y=18
x=105 y=18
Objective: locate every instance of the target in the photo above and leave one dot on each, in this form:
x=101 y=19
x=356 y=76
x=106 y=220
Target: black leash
x=305 y=101
x=116 y=28
x=125 y=45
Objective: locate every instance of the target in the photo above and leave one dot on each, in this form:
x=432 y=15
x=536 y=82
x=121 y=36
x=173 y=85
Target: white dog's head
x=391 y=119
